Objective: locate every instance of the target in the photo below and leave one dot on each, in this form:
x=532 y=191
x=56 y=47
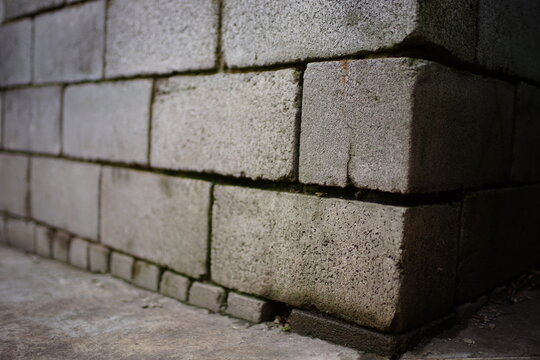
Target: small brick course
x=60 y=246
x=174 y=285
x=248 y=308
x=13 y=183
x=146 y=275
x=20 y=233
x=207 y=296
x=122 y=266
x=98 y=258
x=43 y=237
x=78 y=253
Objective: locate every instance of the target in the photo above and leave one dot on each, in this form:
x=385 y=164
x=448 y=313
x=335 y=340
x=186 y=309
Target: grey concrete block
x=207 y=296
x=68 y=44
x=16 y=8
x=32 y=119
x=107 y=120
x=508 y=37
x=174 y=285
x=3 y=239
x=65 y=194
x=248 y=308
x=60 y=246
x=20 y=233
x=98 y=258
x=121 y=266
x=175 y=36
x=43 y=237
x=499 y=238
x=232 y=124
x=387 y=267
x=78 y=253
x=403 y=125
x=146 y=275
x=16 y=40
x=14 y=183
x=265 y=32
x=160 y=218
x=526 y=165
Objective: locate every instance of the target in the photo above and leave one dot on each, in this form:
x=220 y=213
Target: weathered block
x=43 y=238
x=403 y=125
x=360 y=261
x=174 y=285
x=159 y=218
x=206 y=296
x=20 y=233
x=499 y=238
x=107 y=120
x=265 y=32
x=121 y=266
x=13 y=183
x=146 y=275
x=232 y=124
x=16 y=40
x=248 y=308
x=78 y=253
x=508 y=37
x=60 y=246
x=526 y=165
x=68 y=44
x=65 y=194
x=16 y=8
x=32 y=119
x=98 y=258
x=175 y=36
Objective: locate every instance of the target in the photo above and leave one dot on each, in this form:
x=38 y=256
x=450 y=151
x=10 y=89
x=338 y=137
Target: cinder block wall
x=377 y=161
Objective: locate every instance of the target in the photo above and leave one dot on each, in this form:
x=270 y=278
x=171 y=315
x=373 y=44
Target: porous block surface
x=122 y=266
x=206 y=296
x=20 y=233
x=107 y=120
x=16 y=40
x=248 y=308
x=175 y=36
x=146 y=275
x=13 y=183
x=381 y=266
x=403 y=125
x=231 y=124
x=159 y=218
x=65 y=194
x=174 y=285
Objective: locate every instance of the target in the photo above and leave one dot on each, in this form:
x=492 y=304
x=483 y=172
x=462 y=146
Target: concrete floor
x=50 y=310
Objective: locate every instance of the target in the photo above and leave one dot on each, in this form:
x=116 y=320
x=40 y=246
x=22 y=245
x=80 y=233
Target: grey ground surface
x=49 y=310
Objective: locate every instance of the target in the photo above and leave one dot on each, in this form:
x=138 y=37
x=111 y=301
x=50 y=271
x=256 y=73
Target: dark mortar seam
x=298 y=124
x=105 y=33
x=208 y=274
x=150 y=121
x=100 y=191
x=220 y=58
x=61 y=120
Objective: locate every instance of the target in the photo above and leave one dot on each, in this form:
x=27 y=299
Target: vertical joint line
x=150 y=121
x=100 y=190
x=28 y=201
x=297 y=124
x=103 y=56
x=32 y=46
x=61 y=125
x=209 y=239
x=220 y=59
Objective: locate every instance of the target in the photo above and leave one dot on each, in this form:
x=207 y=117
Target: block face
x=174 y=285
x=43 y=237
x=526 y=165
x=499 y=238
x=14 y=183
x=20 y=233
x=155 y=217
x=65 y=194
x=107 y=120
x=16 y=8
x=3 y=239
x=508 y=36
x=16 y=40
x=32 y=119
x=60 y=246
x=146 y=275
x=98 y=258
x=68 y=44
x=360 y=261
x=175 y=36
x=121 y=266
x=248 y=308
x=78 y=253
x=232 y=124
x=403 y=125
x=206 y=296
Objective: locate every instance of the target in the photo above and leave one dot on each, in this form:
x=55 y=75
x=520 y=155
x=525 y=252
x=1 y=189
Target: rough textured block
x=206 y=296
x=232 y=124
x=499 y=238
x=146 y=275
x=32 y=119
x=60 y=246
x=68 y=44
x=175 y=36
x=261 y=32
x=107 y=120
x=16 y=8
x=78 y=253
x=526 y=166
x=248 y=308
x=174 y=285
x=121 y=266
x=13 y=183
x=20 y=233
x=508 y=36
x=16 y=40
x=65 y=194
x=159 y=218
x=98 y=258
x=403 y=125
x=43 y=238
x=361 y=261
